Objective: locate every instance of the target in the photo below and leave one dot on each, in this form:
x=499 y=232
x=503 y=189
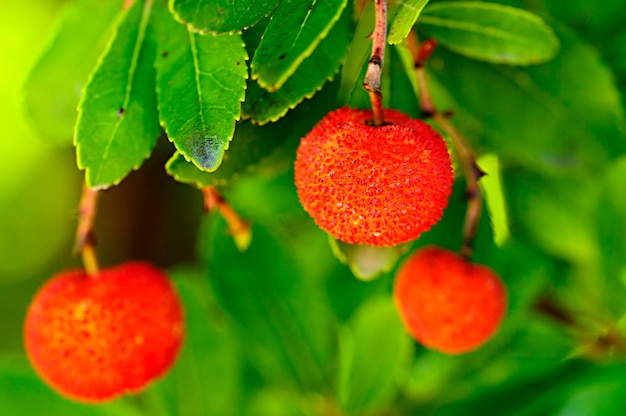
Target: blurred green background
x=285 y=328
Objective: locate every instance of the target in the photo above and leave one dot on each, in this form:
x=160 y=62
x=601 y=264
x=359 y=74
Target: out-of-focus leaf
x=22 y=393
x=490 y=32
x=610 y=226
x=55 y=83
x=367 y=384
x=281 y=317
x=575 y=123
x=553 y=214
x=206 y=377
x=32 y=237
x=263 y=106
x=296 y=28
x=404 y=19
x=220 y=16
x=367 y=262
x=118 y=124
x=201 y=83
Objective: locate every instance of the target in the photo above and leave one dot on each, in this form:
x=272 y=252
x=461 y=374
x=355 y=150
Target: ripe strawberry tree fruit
x=377 y=185
x=95 y=337
x=447 y=303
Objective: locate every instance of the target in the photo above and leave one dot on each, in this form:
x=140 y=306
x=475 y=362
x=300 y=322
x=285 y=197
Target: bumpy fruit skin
x=93 y=338
x=447 y=303
x=381 y=185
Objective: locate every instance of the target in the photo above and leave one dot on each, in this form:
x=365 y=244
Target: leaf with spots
x=201 y=83
x=263 y=106
x=117 y=123
x=221 y=16
x=253 y=143
x=296 y=28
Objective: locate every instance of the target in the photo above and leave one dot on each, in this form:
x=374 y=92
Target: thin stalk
x=375 y=64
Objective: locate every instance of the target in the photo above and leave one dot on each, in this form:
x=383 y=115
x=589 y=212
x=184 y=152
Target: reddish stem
x=240 y=229
x=85 y=240
x=421 y=53
x=375 y=65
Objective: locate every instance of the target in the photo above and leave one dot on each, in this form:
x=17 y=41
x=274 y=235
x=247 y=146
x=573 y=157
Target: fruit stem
x=375 y=64
x=239 y=228
x=85 y=241
x=421 y=53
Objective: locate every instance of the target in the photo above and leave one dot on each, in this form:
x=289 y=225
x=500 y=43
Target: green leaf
x=296 y=28
x=207 y=375
x=490 y=32
x=491 y=187
x=555 y=212
x=367 y=262
x=220 y=16
x=281 y=317
x=264 y=106
x=404 y=19
x=252 y=143
x=23 y=393
x=54 y=85
x=576 y=123
x=201 y=83
x=118 y=123
x=367 y=384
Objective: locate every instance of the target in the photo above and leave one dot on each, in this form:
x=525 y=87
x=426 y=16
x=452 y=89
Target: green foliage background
x=285 y=328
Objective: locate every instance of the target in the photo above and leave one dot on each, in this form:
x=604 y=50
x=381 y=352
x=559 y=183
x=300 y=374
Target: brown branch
x=375 y=64
x=240 y=229
x=473 y=173
x=85 y=241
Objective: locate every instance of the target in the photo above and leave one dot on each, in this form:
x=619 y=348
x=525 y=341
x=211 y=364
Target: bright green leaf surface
x=490 y=32
x=296 y=28
x=201 y=83
x=221 y=16
x=404 y=19
x=491 y=187
x=117 y=123
x=264 y=106
x=55 y=83
x=365 y=383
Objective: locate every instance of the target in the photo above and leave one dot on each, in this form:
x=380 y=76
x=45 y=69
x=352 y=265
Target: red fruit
x=93 y=338
x=373 y=185
x=447 y=303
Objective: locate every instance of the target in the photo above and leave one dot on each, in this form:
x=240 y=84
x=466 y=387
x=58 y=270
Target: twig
x=240 y=229
x=375 y=64
x=85 y=241
x=473 y=173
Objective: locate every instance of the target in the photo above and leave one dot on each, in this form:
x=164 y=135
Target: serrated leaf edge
x=143 y=28
x=305 y=54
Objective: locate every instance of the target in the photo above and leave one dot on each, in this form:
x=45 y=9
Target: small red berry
x=372 y=185
x=447 y=303
x=93 y=338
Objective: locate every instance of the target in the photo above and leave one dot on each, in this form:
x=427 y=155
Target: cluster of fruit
x=383 y=186
x=93 y=337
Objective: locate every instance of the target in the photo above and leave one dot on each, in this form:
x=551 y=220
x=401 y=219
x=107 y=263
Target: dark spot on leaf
x=120 y=112
x=238 y=63
x=206 y=150
x=282 y=56
x=164 y=54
